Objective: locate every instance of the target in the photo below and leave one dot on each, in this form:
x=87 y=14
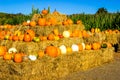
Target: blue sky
x=63 y=6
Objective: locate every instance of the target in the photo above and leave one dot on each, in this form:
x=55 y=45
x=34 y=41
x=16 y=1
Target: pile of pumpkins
x=52 y=51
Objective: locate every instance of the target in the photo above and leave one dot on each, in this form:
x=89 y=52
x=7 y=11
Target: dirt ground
x=108 y=71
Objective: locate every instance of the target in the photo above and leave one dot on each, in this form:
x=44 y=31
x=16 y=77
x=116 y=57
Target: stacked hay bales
x=48 y=68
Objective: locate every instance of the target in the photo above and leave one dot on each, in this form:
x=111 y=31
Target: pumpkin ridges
x=51 y=51
x=18 y=57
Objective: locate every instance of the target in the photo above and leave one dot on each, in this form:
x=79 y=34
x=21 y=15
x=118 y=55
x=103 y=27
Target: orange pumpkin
x=51 y=51
x=96 y=46
x=32 y=23
x=41 y=53
x=50 y=36
x=27 y=37
x=31 y=33
x=69 y=21
x=53 y=21
x=43 y=38
x=18 y=57
x=44 y=11
x=79 y=22
x=88 y=46
x=21 y=37
x=3 y=50
x=56 y=32
x=41 y=21
x=25 y=23
x=7 y=56
x=55 y=12
x=80 y=47
x=15 y=37
x=65 y=22
x=69 y=50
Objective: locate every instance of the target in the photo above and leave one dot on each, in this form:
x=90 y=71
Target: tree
x=102 y=11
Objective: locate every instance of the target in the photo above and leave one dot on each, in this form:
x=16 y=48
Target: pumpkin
x=51 y=51
x=92 y=30
x=25 y=23
x=63 y=49
x=21 y=37
x=69 y=21
x=7 y=56
x=32 y=23
x=41 y=53
x=79 y=22
x=55 y=12
x=47 y=23
x=31 y=33
x=50 y=36
x=12 y=50
x=75 y=33
x=66 y=34
x=69 y=49
x=88 y=46
x=18 y=57
x=56 y=32
x=96 y=46
x=27 y=37
x=75 y=47
x=32 y=57
x=15 y=38
x=83 y=44
x=44 y=12
x=80 y=46
x=43 y=38
x=65 y=23
x=53 y=21
x=41 y=21
x=3 y=50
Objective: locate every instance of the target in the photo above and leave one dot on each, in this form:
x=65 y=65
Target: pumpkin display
x=18 y=57
x=51 y=51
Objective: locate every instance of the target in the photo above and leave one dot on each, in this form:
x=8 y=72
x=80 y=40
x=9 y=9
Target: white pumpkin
x=66 y=34
x=75 y=47
x=32 y=57
x=63 y=49
x=83 y=44
x=28 y=21
x=12 y=50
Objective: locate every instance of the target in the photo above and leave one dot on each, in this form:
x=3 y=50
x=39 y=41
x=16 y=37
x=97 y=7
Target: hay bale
x=53 y=68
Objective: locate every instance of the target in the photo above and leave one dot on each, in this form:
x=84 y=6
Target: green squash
x=104 y=45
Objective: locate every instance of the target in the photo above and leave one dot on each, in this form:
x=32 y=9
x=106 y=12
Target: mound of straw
x=48 y=68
